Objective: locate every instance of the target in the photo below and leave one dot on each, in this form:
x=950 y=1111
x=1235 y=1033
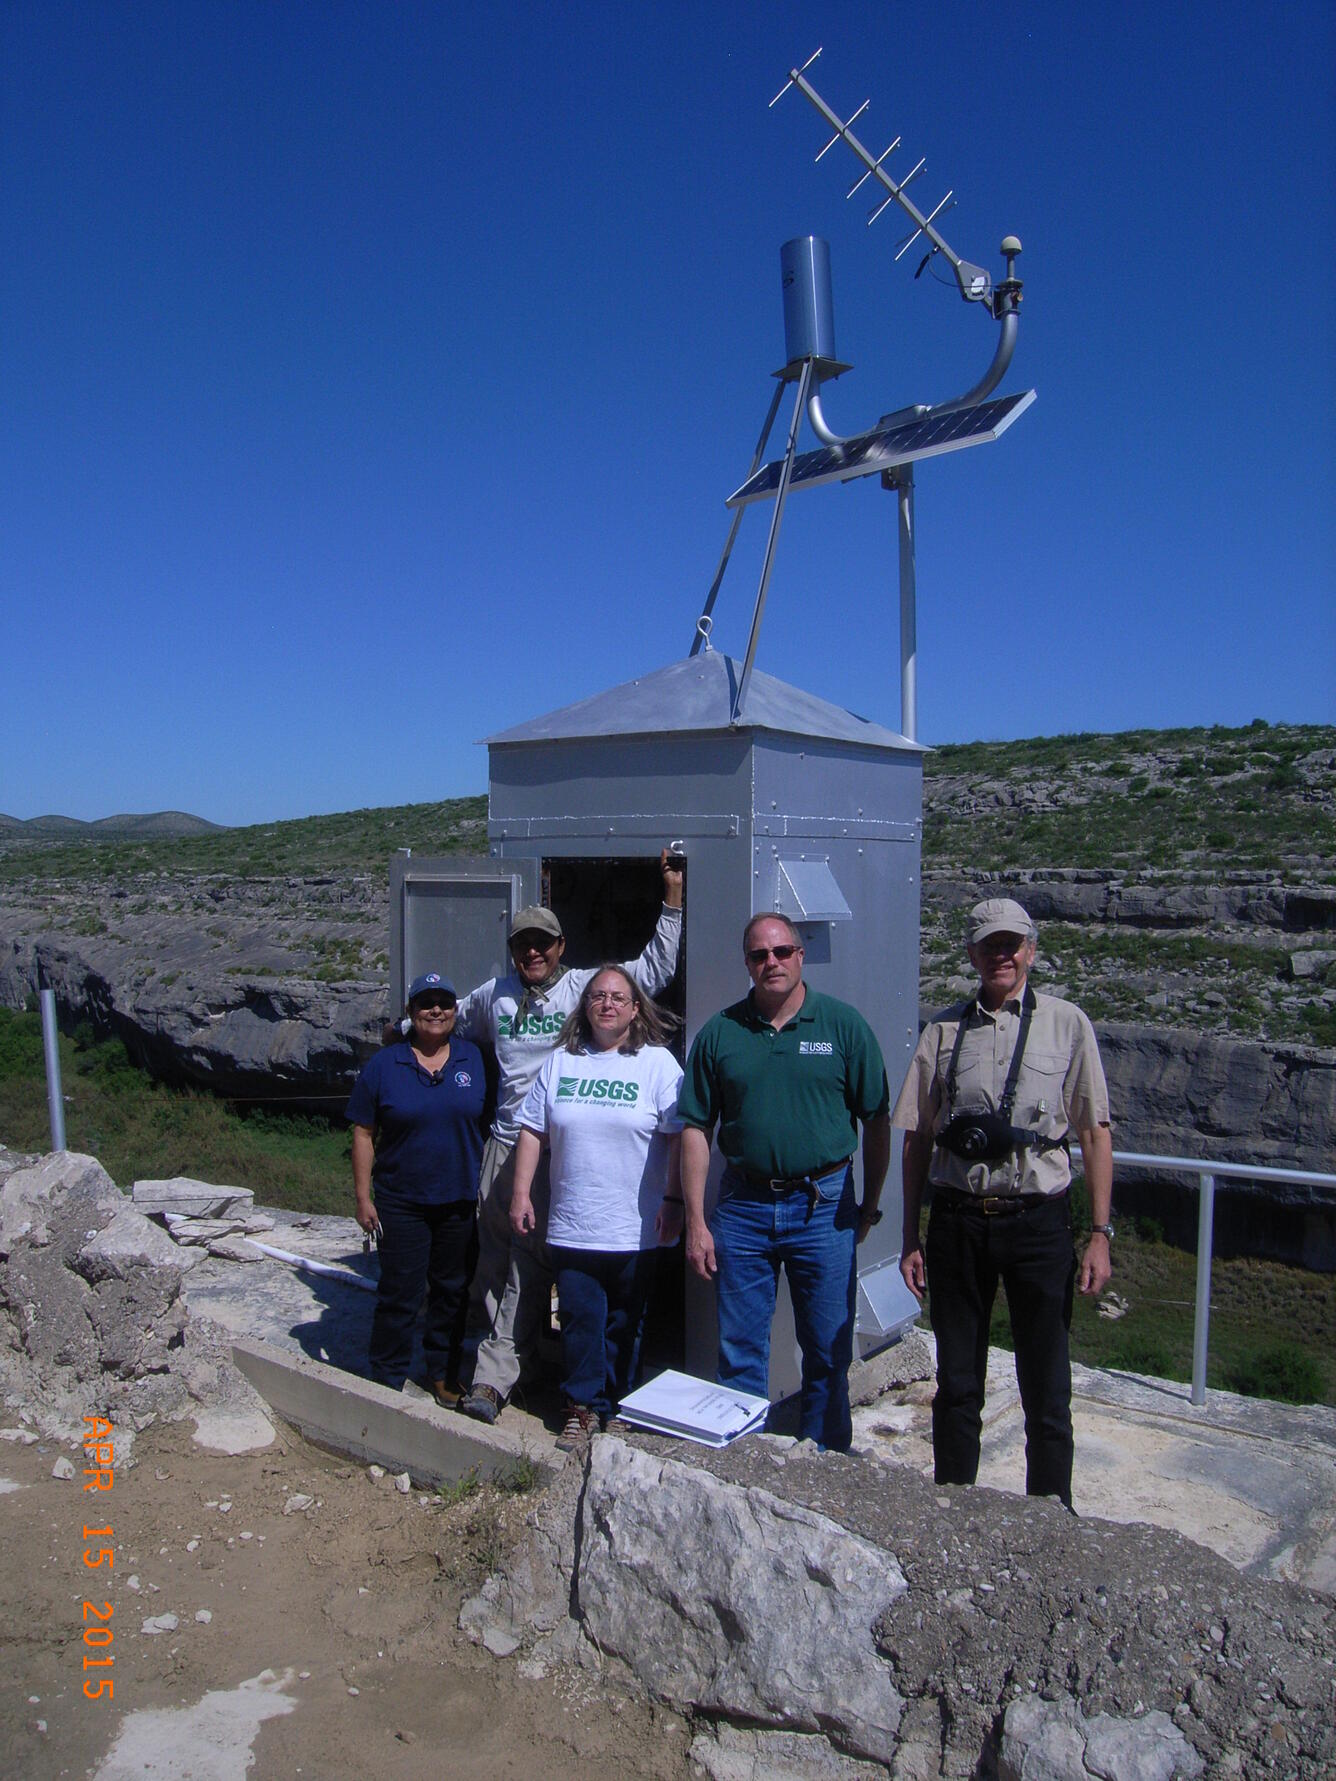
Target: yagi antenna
x=975 y=284
x=898 y=440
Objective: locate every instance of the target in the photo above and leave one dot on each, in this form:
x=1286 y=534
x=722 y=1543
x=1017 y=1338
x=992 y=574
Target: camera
x=981 y=1136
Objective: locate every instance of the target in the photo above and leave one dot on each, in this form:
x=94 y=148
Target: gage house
x=800 y=807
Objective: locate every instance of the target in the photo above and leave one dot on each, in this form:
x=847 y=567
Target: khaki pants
x=511 y=1294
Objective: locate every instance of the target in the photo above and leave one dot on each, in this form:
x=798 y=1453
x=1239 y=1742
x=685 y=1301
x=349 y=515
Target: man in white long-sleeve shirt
x=520 y=1015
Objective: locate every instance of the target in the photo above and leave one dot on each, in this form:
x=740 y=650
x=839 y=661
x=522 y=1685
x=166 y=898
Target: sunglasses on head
x=757 y=955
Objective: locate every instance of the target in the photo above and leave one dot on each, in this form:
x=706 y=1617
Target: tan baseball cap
x=534 y=918
x=998 y=915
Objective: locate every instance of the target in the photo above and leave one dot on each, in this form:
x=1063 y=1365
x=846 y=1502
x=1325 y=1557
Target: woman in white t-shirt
x=605 y=1104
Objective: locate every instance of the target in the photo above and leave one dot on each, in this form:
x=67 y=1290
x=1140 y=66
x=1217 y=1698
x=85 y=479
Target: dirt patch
x=352 y=1600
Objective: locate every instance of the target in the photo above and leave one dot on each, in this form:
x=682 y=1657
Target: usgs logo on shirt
x=597 y=1088
x=533 y=1026
x=815 y=1048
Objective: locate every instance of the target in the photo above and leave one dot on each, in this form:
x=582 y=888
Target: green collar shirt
x=787 y=1101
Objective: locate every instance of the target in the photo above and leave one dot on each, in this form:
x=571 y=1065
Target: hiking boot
x=616 y=1425
x=580 y=1423
x=482 y=1402
x=447 y=1392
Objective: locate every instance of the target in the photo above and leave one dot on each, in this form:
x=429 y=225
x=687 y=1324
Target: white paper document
x=697 y=1410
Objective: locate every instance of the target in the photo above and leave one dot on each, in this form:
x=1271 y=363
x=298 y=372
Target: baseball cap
x=534 y=918
x=998 y=915
x=431 y=980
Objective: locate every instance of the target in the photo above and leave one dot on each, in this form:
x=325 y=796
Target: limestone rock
x=235 y=1249
x=729 y=1753
x=90 y=1297
x=721 y=1582
x=192 y=1199
x=1053 y=1741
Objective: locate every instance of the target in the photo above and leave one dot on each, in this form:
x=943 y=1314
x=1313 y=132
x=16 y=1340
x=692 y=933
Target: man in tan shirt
x=994 y=1090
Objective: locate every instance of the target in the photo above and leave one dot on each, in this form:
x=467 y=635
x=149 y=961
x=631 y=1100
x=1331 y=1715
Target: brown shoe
x=447 y=1392
x=580 y=1423
x=481 y=1402
x=616 y=1425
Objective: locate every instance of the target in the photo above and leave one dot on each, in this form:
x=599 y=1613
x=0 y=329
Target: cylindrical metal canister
x=809 y=309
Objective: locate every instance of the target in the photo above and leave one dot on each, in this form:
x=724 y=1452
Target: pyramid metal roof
x=696 y=694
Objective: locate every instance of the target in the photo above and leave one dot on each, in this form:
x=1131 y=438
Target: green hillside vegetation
x=1200 y=803
x=1197 y=802
x=351 y=842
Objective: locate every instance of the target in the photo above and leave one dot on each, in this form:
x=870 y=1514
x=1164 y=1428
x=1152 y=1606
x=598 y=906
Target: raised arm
x=653 y=970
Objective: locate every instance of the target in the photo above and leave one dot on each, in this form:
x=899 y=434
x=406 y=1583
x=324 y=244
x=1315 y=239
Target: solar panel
x=885 y=446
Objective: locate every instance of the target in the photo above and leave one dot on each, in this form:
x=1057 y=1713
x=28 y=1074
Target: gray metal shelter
x=802 y=807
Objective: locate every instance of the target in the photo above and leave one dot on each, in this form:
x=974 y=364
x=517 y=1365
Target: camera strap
x=1008 y=1100
x=1020 y=1135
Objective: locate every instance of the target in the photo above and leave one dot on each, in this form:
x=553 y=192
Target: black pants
x=429 y=1249
x=1031 y=1252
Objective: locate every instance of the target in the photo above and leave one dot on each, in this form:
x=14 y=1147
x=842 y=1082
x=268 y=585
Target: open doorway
x=608 y=908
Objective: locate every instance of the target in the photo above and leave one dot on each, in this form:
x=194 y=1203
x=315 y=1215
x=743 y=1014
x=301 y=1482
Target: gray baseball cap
x=998 y=915
x=534 y=918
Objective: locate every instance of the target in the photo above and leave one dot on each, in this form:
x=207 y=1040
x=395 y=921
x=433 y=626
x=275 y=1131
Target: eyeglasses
x=609 y=995
x=759 y=954
x=1005 y=944
x=434 y=1005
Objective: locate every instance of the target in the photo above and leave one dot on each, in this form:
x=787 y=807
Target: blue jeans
x=602 y=1295
x=754 y=1232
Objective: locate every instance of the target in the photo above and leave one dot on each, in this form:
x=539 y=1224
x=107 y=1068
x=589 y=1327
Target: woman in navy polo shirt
x=416 y=1112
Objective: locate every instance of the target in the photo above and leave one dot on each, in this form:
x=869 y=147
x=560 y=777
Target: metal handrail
x=1206 y=1173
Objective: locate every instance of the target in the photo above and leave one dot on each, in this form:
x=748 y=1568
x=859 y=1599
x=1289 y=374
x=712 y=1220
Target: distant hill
x=168 y=825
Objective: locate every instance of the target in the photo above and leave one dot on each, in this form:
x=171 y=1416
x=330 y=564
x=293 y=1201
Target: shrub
x=1278 y=1371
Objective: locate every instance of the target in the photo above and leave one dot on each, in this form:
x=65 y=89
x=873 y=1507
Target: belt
x=787 y=1184
x=993 y=1205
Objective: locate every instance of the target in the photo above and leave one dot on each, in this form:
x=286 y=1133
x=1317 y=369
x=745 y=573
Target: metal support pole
x=781 y=495
x=707 y=611
x=55 y=1102
x=1201 y=1325
x=901 y=480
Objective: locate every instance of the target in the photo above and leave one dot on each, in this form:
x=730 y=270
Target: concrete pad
x=1253 y=1481
x=403 y=1431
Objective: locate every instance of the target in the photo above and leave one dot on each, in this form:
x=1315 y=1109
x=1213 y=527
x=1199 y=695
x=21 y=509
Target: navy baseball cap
x=431 y=980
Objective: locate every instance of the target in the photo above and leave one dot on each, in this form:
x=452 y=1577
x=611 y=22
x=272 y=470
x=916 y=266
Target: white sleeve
x=669 y=1087
x=653 y=970
x=474 y=1019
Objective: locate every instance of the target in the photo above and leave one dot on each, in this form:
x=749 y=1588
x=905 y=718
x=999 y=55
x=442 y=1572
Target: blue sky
x=375 y=375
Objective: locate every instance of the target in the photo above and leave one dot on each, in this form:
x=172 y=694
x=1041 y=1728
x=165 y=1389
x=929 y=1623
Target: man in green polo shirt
x=786 y=1075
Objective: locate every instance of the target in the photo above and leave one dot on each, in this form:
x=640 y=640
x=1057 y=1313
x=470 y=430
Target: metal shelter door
x=453 y=914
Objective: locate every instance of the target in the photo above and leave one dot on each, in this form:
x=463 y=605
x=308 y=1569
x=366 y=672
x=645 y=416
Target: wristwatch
x=1102 y=1230
x=873 y=1217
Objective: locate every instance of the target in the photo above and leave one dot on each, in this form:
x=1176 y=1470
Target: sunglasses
x=434 y=1005
x=759 y=954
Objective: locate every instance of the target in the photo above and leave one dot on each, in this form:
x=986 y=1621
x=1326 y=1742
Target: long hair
x=652 y=1025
